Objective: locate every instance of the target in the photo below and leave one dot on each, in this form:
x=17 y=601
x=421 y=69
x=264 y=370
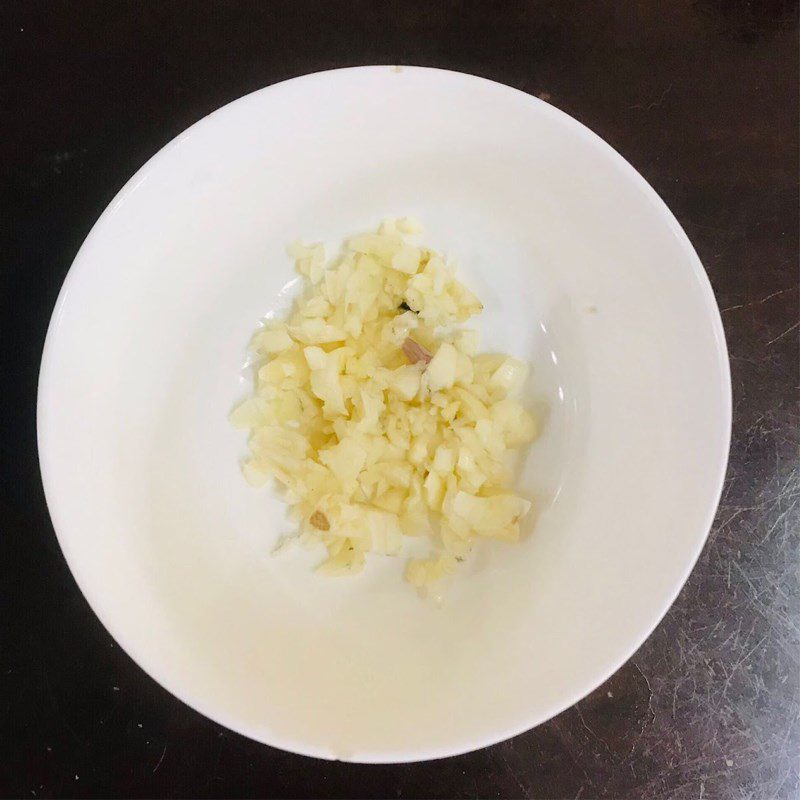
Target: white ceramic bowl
x=583 y=271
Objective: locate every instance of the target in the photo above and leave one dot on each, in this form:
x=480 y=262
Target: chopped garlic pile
x=378 y=416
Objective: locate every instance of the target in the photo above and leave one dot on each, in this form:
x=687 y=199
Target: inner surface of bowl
x=582 y=271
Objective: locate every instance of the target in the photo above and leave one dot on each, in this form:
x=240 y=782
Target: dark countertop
x=702 y=98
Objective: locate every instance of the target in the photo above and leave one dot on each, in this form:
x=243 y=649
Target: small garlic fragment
x=415 y=352
x=320 y=521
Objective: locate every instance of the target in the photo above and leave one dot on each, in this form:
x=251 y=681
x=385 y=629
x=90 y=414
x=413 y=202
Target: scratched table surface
x=702 y=98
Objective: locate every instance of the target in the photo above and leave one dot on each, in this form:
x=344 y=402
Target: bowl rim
x=478 y=742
